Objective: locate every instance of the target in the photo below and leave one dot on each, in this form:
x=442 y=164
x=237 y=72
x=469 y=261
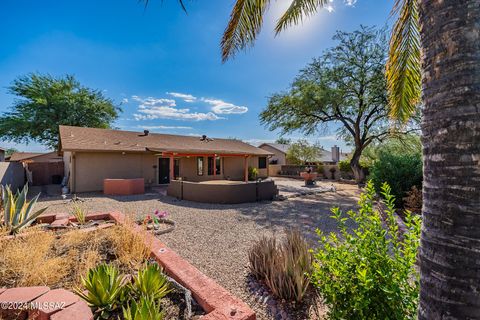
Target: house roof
x=326 y=156
x=278 y=146
x=93 y=139
x=19 y=156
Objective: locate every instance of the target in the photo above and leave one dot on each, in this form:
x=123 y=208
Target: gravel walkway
x=216 y=238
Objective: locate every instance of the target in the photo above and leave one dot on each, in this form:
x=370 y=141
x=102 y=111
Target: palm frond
x=403 y=67
x=245 y=23
x=297 y=10
x=181 y=2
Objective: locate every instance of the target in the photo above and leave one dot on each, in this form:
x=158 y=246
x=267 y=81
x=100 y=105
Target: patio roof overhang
x=204 y=153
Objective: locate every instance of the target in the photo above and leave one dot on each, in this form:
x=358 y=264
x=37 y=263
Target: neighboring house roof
x=93 y=139
x=278 y=146
x=20 y=156
x=326 y=155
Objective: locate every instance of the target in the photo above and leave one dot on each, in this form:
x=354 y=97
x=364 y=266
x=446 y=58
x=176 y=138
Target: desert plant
x=284 y=267
x=260 y=256
x=79 y=212
x=368 y=271
x=150 y=282
x=105 y=289
x=17 y=210
x=144 y=309
x=414 y=200
x=252 y=173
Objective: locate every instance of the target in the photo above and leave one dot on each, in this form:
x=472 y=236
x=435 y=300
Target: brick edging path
x=42 y=303
x=215 y=300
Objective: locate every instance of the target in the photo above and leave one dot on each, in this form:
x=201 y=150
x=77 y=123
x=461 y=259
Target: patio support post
x=214 y=165
x=172 y=168
x=245 y=167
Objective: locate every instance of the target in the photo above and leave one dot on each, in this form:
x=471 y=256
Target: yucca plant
x=145 y=309
x=79 y=213
x=150 y=282
x=261 y=255
x=17 y=210
x=104 y=289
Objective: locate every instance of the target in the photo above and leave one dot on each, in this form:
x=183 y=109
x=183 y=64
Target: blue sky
x=164 y=66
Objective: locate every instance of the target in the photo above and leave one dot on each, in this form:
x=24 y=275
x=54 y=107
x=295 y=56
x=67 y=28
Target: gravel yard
x=216 y=238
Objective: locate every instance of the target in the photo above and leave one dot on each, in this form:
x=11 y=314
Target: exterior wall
x=13 y=174
x=2 y=155
x=278 y=155
x=274 y=170
x=90 y=169
x=223 y=193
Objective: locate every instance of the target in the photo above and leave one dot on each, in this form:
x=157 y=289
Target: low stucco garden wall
x=240 y=192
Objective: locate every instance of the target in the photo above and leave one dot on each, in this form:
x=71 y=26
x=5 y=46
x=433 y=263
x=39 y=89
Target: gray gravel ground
x=216 y=238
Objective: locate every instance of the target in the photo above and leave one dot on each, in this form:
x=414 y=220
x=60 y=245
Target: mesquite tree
x=346 y=88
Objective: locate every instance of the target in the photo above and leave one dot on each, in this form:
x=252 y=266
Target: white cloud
x=184 y=96
x=124 y=100
x=350 y=2
x=329 y=8
x=222 y=107
x=150 y=101
x=152 y=108
x=164 y=127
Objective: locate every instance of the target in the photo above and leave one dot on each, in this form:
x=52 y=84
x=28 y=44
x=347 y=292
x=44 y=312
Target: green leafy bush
x=400 y=171
x=368 y=271
x=344 y=165
x=252 y=173
x=17 y=210
x=283 y=266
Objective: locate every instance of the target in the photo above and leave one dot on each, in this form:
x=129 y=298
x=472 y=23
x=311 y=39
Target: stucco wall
x=13 y=174
x=91 y=168
x=88 y=169
x=278 y=155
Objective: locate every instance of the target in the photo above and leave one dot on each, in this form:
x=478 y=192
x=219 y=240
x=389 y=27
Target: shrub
x=252 y=173
x=17 y=210
x=284 y=267
x=401 y=172
x=413 y=201
x=368 y=272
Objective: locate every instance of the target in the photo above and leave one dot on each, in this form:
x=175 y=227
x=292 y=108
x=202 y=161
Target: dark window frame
x=262 y=165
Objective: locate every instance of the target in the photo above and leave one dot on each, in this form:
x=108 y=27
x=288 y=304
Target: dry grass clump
x=30 y=261
x=131 y=248
x=46 y=258
x=284 y=267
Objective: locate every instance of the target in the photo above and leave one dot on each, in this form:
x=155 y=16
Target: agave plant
x=150 y=282
x=145 y=309
x=17 y=210
x=104 y=289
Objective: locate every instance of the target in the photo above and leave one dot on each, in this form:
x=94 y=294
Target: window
x=262 y=163
x=200 y=166
x=217 y=165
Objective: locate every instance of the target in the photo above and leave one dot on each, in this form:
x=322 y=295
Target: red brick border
x=213 y=298
x=41 y=303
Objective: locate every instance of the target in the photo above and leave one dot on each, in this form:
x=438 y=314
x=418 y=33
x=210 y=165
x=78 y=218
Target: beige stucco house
x=92 y=155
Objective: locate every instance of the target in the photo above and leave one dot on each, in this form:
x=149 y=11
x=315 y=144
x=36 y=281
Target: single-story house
x=40 y=168
x=280 y=151
x=92 y=155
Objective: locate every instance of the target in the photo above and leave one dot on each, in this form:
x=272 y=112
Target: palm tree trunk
x=450 y=242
